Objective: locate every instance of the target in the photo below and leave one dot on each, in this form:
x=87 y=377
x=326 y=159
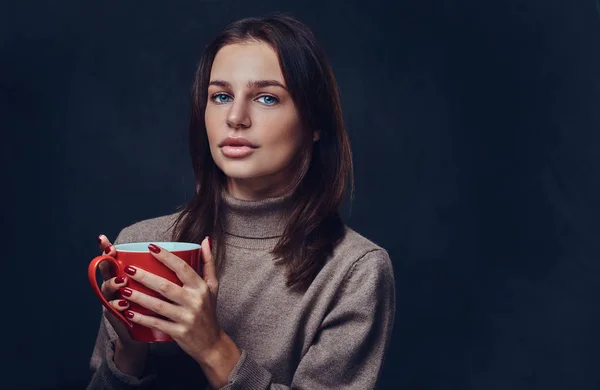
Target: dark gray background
x=475 y=128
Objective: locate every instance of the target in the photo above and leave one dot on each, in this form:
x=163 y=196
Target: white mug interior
x=143 y=246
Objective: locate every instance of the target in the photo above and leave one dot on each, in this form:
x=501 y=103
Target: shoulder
x=360 y=271
x=152 y=229
x=356 y=252
x=355 y=247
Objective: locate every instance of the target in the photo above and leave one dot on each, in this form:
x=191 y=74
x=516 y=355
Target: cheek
x=211 y=122
x=285 y=143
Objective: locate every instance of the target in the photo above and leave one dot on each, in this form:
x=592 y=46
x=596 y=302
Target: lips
x=237 y=151
x=237 y=142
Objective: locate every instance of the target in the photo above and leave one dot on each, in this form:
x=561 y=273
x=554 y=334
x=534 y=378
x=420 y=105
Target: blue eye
x=216 y=97
x=269 y=100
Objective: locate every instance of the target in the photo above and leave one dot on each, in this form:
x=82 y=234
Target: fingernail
x=129 y=313
x=126 y=292
x=209 y=243
x=154 y=248
x=130 y=270
x=107 y=250
x=120 y=280
x=123 y=303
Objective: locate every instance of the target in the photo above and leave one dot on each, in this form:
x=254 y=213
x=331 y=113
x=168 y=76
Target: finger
x=112 y=285
x=171 y=328
x=106 y=268
x=157 y=305
x=166 y=288
x=209 y=272
x=103 y=242
x=183 y=270
x=120 y=304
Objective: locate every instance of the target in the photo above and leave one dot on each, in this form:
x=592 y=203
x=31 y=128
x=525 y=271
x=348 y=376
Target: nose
x=238 y=116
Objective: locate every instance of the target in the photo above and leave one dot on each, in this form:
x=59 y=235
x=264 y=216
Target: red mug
x=137 y=254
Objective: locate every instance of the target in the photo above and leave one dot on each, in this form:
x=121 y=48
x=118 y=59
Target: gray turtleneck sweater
x=333 y=336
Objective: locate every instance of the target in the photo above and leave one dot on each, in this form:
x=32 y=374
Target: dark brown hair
x=323 y=168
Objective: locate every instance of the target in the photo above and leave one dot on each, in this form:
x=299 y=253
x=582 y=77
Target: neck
x=263 y=218
x=259 y=188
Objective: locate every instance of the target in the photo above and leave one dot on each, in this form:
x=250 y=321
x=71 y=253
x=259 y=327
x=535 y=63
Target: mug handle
x=94 y=283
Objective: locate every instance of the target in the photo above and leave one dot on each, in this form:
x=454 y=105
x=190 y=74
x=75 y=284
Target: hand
x=192 y=311
x=109 y=288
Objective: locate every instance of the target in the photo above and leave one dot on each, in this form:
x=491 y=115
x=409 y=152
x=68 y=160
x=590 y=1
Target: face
x=248 y=103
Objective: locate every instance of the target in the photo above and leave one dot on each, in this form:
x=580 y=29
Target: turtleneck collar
x=255 y=219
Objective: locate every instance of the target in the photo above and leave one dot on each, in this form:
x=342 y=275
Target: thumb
x=209 y=273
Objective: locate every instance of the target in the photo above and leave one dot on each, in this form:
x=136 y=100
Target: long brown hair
x=323 y=168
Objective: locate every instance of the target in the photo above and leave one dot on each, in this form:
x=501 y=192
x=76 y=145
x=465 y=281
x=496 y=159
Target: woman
x=292 y=297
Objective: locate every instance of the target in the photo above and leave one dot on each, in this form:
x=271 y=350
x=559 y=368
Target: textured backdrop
x=475 y=128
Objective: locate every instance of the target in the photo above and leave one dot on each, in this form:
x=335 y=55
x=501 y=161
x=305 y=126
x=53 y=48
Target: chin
x=240 y=170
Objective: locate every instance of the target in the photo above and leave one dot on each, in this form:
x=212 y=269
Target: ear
x=316 y=135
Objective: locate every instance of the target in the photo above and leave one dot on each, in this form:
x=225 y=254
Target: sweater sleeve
x=349 y=349
x=105 y=374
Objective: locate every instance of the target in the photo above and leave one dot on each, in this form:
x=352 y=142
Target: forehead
x=246 y=61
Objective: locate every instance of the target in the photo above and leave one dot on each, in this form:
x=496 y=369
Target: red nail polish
x=120 y=279
x=154 y=248
x=123 y=303
x=126 y=292
x=107 y=249
x=129 y=314
x=209 y=243
x=130 y=270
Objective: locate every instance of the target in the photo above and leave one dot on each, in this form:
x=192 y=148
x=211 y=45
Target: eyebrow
x=251 y=84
